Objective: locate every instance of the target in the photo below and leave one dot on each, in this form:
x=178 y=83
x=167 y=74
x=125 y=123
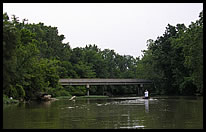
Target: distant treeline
x=35 y=58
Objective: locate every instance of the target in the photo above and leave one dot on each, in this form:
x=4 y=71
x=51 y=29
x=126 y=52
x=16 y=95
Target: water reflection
x=88 y=101
x=146 y=104
x=46 y=103
x=124 y=113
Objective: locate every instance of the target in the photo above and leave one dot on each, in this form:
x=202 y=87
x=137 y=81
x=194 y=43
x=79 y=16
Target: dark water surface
x=107 y=113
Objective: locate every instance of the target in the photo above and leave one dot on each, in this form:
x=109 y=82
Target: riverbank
x=7 y=100
x=93 y=96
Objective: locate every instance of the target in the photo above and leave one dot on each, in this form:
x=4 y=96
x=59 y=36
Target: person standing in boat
x=146 y=94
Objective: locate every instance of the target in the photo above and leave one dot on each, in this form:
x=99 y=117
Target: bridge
x=94 y=81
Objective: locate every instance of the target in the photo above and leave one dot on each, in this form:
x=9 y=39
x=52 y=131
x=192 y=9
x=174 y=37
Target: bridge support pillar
x=103 y=90
x=137 y=90
x=87 y=89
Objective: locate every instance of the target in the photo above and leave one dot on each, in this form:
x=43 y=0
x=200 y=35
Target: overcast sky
x=123 y=27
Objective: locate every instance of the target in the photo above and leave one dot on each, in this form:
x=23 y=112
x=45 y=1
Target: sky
x=122 y=27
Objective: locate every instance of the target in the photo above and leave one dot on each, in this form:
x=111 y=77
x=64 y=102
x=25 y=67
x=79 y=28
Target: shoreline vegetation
x=7 y=100
x=35 y=58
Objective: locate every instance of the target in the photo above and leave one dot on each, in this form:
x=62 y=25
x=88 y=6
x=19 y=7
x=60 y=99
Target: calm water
x=107 y=113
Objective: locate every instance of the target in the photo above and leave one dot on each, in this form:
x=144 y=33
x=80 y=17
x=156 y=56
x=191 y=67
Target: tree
x=10 y=42
x=175 y=59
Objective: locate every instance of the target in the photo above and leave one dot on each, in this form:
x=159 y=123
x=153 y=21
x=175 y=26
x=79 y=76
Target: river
x=160 y=112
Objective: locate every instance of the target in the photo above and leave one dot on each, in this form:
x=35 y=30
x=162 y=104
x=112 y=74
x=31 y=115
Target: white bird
x=73 y=97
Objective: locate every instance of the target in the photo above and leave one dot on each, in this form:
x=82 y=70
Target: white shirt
x=146 y=93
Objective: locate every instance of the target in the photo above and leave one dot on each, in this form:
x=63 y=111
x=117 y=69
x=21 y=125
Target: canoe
x=145 y=98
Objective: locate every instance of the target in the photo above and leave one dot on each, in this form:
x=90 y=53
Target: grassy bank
x=7 y=100
x=63 y=97
x=93 y=96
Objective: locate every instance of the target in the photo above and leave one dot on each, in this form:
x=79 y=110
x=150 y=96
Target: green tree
x=175 y=60
x=10 y=42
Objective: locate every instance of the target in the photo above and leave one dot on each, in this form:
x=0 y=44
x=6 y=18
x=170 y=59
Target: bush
x=7 y=100
x=58 y=92
x=76 y=90
x=20 y=91
x=63 y=93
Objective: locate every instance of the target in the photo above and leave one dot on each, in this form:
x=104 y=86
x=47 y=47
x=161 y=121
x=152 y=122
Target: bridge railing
x=104 y=81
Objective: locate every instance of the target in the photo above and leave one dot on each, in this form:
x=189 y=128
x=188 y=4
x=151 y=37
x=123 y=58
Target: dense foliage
x=34 y=58
x=175 y=60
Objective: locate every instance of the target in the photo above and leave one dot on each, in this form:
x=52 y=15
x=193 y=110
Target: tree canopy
x=35 y=57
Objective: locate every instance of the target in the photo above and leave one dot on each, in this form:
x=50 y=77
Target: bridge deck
x=95 y=81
